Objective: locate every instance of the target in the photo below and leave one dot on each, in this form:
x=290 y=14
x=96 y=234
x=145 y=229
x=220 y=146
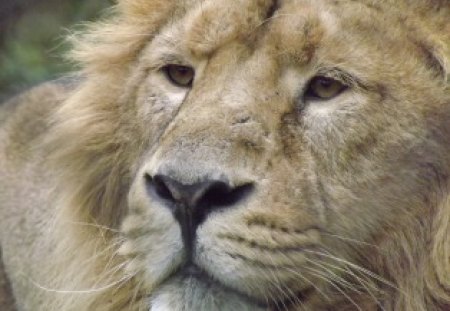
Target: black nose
x=191 y=203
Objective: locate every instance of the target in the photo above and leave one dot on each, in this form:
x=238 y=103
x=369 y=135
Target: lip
x=191 y=270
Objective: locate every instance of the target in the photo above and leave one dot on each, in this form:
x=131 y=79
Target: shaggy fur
x=350 y=208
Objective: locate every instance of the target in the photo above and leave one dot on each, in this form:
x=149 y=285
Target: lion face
x=284 y=150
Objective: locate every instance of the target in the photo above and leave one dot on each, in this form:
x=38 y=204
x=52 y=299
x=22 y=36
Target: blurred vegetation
x=32 y=39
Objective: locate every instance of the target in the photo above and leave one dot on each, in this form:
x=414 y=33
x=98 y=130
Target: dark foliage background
x=32 y=39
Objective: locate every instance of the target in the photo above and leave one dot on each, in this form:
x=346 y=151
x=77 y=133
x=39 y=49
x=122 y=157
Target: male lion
x=236 y=155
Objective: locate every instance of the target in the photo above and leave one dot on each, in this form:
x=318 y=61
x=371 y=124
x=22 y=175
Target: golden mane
x=90 y=149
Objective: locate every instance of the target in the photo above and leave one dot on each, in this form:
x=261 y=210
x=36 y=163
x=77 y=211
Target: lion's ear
x=433 y=16
x=435 y=56
x=439 y=60
x=445 y=65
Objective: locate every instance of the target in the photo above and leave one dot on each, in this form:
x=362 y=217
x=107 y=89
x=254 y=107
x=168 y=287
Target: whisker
x=364 y=282
x=298 y=274
x=94 y=225
x=292 y=297
x=85 y=291
x=350 y=240
x=277 y=284
x=354 y=266
x=105 y=250
x=336 y=277
x=305 y=279
x=329 y=281
x=136 y=291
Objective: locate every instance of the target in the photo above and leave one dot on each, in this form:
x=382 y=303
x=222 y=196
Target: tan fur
x=350 y=209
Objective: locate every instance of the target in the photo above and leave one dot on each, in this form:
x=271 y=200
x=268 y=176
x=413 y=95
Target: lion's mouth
x=190 y=272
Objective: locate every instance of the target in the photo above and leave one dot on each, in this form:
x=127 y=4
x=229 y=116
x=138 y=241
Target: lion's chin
x=193 y=290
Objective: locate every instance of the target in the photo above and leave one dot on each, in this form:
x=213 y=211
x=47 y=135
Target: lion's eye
x=324 y=88
x=181 y=76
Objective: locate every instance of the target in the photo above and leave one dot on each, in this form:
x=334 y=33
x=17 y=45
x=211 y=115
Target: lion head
x=260 y=154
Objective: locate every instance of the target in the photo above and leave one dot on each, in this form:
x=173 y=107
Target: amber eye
x=181 y=76
x=324 y=88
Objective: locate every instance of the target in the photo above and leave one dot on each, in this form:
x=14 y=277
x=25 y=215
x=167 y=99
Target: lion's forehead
x=290 y=30
x=293 y=28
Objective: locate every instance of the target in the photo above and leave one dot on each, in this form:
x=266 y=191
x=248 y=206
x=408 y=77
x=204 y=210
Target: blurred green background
x=32 y=39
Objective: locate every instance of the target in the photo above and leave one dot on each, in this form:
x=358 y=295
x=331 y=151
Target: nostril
x=158 y=185
x=201 y=196
x=221 y=194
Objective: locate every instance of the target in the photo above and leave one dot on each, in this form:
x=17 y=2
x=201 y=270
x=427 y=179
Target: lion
x=236 y=155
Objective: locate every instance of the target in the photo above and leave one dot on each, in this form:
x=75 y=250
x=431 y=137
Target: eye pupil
x=324 y=82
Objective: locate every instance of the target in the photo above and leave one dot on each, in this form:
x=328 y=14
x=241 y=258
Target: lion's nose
x=191 y=203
